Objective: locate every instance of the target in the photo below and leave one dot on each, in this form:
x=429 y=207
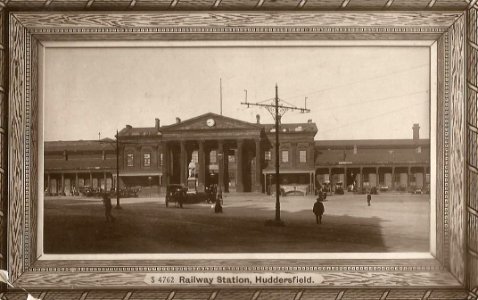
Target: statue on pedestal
x=192 y=169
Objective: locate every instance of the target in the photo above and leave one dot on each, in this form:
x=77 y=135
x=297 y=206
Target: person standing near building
x=369 y=198
x=108 y=207
x=181 y=197
x=318 y=209
x=218 y=205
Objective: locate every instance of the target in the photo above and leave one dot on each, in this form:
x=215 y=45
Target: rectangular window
x=419 y=149
x=147 y=160
x=130 y=159
x=212 y=157
x=285 y=156
x=303 y=156
x=231 y=158
x=268 y=155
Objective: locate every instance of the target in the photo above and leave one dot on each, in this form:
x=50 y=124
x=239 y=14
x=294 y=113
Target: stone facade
x=234 y=155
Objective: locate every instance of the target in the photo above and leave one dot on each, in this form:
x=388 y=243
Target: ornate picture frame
x=454 y=271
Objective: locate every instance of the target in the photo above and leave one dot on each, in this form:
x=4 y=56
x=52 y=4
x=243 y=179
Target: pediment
x=212 y=122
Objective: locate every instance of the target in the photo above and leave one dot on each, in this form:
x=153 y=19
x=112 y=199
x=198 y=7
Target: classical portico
x=226 y=152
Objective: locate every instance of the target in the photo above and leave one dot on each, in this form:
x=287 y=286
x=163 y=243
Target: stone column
x=225 y=165
x=393 y=179
x=239 y=162
x=165 y=167
x=312 y=183
x=91 y=180
x=377 y=177
x=361 y=179
x=330 y=178
x=345 y=179
x=77 y=182
x=48 y=183
x=104 y=180
x=265 y=183
x=201 y=167
x=158 y=157
x=62 y=183
x=182 y=163
x=258 y=186
x=220 y=162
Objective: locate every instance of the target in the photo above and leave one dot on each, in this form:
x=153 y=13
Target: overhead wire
x=372 y=117
x=329 y=108
x=355 y=82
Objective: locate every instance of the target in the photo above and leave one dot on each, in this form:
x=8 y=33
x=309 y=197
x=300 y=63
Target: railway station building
x=235 y=155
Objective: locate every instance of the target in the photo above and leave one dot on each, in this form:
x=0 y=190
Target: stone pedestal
x=192 y=185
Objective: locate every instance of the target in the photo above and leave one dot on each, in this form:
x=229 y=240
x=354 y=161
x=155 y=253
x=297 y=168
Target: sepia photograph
x=237 y=148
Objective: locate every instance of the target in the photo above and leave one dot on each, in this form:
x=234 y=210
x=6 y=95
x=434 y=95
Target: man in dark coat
x=218 y=205
x=108 y=206
x=181 y=197
x=318 y=209
x=369 y=198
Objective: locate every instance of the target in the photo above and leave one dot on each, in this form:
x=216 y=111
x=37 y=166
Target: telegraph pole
x=277 y=120
x=117 y=171
x=277 y=110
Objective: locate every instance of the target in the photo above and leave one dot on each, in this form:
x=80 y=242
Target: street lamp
x=117 y=172
x=221 y=168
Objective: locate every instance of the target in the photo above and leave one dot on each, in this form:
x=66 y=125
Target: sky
x=353 y=92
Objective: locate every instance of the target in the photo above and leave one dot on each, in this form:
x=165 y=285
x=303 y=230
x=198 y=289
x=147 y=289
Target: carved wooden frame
x=27 y=30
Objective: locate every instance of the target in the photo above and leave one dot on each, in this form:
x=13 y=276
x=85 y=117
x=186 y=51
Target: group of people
x=215 y=196
x=319 y=208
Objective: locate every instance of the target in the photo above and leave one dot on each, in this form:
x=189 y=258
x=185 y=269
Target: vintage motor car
x=129 y=192
x=339 y=188
x=173 y=192
x=90 y=191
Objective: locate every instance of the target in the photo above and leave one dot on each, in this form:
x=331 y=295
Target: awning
x=289 y=171
x=138 y=174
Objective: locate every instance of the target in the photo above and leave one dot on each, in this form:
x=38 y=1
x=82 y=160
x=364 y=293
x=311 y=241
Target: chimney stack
x=416 y=131
x=178 y=120
x=156 y=124
x=309 y=121
x=258 y=119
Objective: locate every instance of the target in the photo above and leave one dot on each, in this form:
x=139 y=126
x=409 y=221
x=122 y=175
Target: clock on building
x=210 y=122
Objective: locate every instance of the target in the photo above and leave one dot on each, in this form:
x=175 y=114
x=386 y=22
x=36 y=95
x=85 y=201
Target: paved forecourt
x=395 y=222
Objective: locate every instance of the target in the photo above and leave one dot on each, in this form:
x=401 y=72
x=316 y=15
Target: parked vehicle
x=339 y=188
x=129 y=192
x=89 y=191
x=173 y=192
x=418 y=191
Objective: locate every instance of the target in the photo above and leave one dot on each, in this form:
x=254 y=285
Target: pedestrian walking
x=369 y=198
x=181 y=197
x=218 y=206
x=318 y=209
x=108 y=207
